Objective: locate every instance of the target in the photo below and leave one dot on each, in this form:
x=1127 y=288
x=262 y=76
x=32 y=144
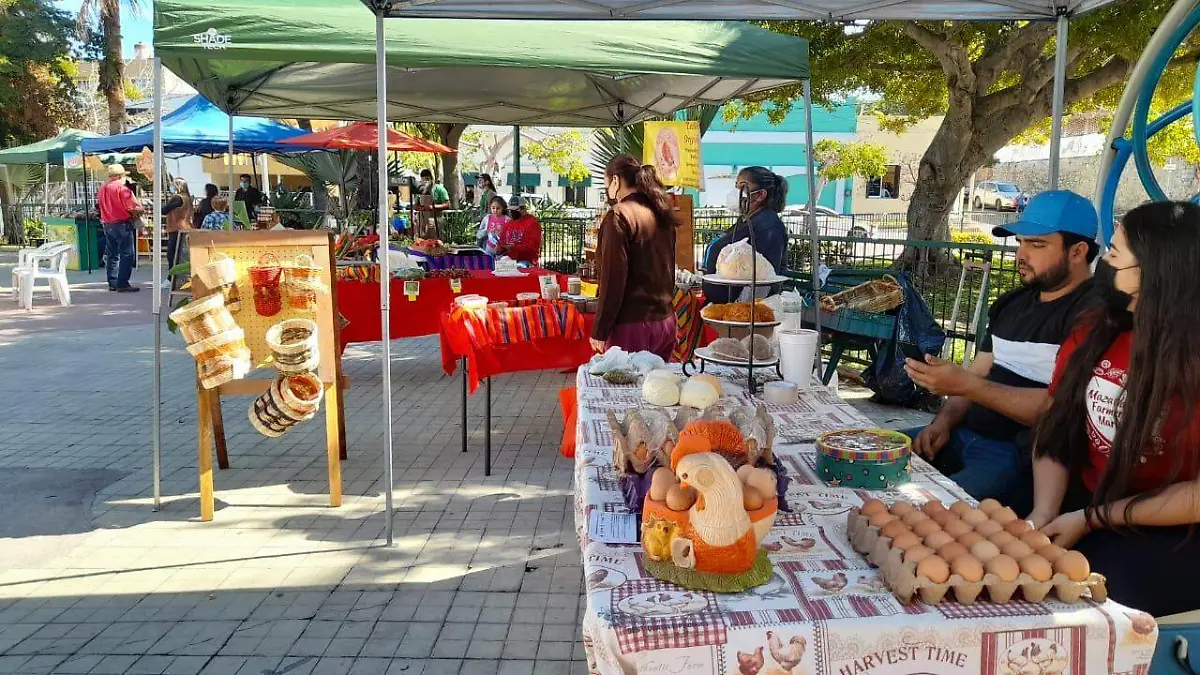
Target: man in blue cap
x=980 y=437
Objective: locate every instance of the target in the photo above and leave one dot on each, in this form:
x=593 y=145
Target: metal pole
x=516 y=161
x=232 y=190
x=156 y=290
x=1060 y=82
x=266 y=172
x=46 y=196
x=811 y=174
x=385 y=274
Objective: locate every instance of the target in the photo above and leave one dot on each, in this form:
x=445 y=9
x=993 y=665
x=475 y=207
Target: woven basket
x=218 y=370
x=877 y=295
x=218 y=271
x=266 y=277
x=302 y=393
x=293 y=345
x=302 y=280
x=203 y=318
x=271 y=415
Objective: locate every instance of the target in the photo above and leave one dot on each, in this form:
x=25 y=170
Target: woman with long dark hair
x=635 y=256
x=487 y=191
x=1118 y=451
x=768 y=194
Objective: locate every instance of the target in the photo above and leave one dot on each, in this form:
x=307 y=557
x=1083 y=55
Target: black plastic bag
x=915 y=335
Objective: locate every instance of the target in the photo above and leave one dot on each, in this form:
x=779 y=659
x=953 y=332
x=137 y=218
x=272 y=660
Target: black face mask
x=1115 y=300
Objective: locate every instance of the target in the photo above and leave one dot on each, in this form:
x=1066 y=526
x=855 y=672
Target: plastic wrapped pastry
x=736 y=261
x=729 y=348
x=762 y=347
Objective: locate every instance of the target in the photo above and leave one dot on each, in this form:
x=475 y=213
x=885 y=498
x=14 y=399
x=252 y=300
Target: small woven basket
x=293 y=344
x=266 y=277
x=302 y=280
x=877 y=295
x=203 y=318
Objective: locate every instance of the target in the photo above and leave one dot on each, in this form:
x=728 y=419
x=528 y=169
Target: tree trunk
x=112 y=70
x=451 y=134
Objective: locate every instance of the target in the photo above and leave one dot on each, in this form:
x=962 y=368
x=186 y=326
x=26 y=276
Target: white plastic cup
x=797 y=351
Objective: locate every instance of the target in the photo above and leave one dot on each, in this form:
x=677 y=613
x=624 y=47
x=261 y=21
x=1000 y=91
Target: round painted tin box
x=872 y=459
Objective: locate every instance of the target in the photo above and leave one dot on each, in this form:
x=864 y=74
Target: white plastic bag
x=737 y=259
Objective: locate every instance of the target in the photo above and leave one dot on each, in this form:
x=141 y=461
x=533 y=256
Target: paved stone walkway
x=484 y=577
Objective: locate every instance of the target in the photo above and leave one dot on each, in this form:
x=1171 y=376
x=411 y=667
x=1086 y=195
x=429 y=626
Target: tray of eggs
x=933 y=550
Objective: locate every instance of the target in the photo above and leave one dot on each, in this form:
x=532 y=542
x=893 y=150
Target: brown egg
x=1016 y=527
x=912 y=518
x=1037 y=567
x=956 y=528
x=1052 y=553
x=1002 y=539
x=934 y=569
x=660 y=482
x=881 y=519
x=968 y=567
x=985 y=550
x=926 y=528
x=951 y=551
x=899 y=509
x=974 y=517
x=990 y=505
x=680 y=498
x=905 y=541
x=1016 y=549
x=869 y=507
x=943 y=517
x=932 y=506
x=1004 y=567
x=752 y=499
x=746 y=469
x=1004 y=516
x=917 y=554
x=960 y=508
x=938 y=540
x=1074 y=565
x=989 y=527
x=762 y=480
x=1035 y=539
x=894 y=529
x=970 y=539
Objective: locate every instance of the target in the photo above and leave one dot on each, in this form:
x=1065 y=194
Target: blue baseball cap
x=1054 y=211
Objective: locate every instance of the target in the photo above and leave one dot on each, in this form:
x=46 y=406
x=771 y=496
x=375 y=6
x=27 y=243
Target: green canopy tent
x=316 y=58
x=48 y=152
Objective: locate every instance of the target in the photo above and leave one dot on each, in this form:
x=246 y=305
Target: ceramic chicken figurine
x=720 y=516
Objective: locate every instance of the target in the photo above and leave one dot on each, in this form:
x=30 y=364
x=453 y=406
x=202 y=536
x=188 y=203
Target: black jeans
x=1150 y=569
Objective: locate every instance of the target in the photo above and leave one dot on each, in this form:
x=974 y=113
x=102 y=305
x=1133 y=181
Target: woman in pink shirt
x=492 y=225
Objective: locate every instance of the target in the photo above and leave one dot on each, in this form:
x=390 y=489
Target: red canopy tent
x=365 y=136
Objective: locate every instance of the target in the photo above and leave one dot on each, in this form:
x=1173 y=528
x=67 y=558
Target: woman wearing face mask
x=1118 y=452
x=179 y=217
x=635 y=257
x=768 y=192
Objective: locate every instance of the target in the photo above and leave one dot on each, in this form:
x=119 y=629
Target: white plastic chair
x=25 y=255
x=55 y=274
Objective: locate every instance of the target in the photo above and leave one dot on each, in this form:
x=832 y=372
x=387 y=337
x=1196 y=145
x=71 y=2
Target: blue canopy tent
x=200 y=128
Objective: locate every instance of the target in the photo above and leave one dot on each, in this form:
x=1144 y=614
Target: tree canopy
x=36 y=88
x=990 y=80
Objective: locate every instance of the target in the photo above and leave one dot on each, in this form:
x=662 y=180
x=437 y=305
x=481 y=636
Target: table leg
x=487 y=426
x=835 y=356
x=463 y=366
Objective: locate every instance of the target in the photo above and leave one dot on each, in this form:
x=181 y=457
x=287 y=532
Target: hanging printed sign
x=73 y=160
x=412 y=289
x=674 y=150
x=456 y=285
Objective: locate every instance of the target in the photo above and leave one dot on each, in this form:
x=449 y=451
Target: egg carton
x=902 y=579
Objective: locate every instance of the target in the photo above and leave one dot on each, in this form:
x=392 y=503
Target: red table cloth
x=487 y=358
x=358 y=302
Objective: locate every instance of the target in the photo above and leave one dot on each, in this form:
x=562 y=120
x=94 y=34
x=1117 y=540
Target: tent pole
x=1060 y=82
x=46 y=196
x=385 y=272
x=810 y=173
x=232 y=190
x=516 y=161
x=156 y=298
x=266 y=173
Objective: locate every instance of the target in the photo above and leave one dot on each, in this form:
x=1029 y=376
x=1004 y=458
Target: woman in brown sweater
x=636 y=261
x=178 y=212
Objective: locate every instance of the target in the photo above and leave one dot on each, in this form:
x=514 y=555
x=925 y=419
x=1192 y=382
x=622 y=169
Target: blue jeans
x=118 y=253
x=985 y=467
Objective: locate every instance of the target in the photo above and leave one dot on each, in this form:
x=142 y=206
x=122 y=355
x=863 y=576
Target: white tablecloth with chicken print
x=825 y=611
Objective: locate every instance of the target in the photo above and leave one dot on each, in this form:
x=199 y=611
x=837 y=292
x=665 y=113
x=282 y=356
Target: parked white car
x=998 y=195
x=830 y=223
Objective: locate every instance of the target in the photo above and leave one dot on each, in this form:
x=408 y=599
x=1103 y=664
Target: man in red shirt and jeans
x=118 y=209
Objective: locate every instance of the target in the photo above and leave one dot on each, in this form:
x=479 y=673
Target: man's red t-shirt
x=521 y=239
x=116 y=202
x=1105 y=401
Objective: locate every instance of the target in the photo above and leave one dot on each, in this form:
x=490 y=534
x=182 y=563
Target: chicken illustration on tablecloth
x=752 y=663
x=787 y=656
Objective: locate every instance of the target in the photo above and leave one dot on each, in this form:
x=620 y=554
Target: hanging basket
x=273 y=413
x=220 y=275
x=293 y=344
x=204 y=318
x=222 y=358
x=302 y=280
x=266 y=278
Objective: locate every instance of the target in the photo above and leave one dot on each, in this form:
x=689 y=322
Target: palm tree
x=111 y=66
